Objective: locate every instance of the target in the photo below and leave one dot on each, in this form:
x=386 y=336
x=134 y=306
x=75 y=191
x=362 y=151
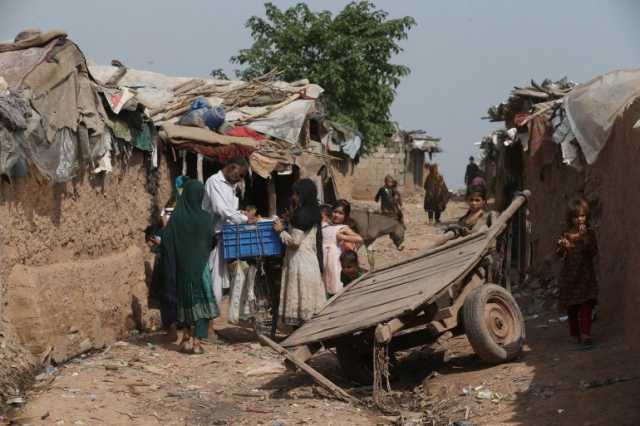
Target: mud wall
x=552 y=186
x=369 y=174
x=73 y=263
x=616 y=174
x=612 y=187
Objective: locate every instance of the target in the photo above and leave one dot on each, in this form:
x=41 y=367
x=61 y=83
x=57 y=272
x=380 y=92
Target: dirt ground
x=145 y=381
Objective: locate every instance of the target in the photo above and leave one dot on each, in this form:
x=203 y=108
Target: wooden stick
x=272 y=197
x=183 y=154
x=271 y=108
x=177 y=112
x=319 y=378
x=199 y=159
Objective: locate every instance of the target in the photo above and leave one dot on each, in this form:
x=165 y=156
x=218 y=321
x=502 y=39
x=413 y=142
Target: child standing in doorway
x=578 y=290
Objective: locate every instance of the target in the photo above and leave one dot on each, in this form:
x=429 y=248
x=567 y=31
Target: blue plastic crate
x=250 y=240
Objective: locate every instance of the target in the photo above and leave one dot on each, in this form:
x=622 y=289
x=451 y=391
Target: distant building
x=404 y=157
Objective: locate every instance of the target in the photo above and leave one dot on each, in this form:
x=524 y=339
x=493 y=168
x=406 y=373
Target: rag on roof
x=63 y=124
x=257 y=108
x=593 y=108
x=578 y=118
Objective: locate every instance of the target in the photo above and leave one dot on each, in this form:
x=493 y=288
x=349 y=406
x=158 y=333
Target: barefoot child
x=578 y=285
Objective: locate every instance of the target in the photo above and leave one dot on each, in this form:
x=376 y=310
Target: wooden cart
x=447 y=290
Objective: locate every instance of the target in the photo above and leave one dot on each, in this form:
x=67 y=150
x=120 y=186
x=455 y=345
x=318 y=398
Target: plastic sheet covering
x=9 y=151
x=570 y=154
x=13 y=118
x=13 y=111
x=100 y=150
x=285 y=123
x=592 y=108
x=58 y=160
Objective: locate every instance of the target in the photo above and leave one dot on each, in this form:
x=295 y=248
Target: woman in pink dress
x=336 y=237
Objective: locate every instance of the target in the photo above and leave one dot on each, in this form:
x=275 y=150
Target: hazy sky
x=465 y=55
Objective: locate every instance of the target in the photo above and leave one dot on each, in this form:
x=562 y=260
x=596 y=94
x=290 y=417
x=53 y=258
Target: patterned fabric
x=578 y=283
x=302 y=292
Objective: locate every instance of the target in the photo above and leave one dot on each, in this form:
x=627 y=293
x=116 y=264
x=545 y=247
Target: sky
x=464 y=55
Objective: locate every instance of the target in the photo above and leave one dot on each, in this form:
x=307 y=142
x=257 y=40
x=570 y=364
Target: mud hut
x=75 y=197
x=87 y=159
x=561 y=140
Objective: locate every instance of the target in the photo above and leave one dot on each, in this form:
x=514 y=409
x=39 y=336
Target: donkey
x=372 y=225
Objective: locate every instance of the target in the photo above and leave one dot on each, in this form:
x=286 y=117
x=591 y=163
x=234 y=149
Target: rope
x=381 y=385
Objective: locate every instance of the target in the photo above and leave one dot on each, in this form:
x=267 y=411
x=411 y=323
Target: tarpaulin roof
x=243 y=100
x=593 y=107
x=185 y=133
x=65 y=120
x=265 y=105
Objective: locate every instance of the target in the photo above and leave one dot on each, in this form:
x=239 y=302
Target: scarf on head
x=307 y=213
x=188 y=237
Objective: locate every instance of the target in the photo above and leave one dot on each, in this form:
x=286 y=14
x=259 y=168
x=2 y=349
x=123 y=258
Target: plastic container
x=250 y=240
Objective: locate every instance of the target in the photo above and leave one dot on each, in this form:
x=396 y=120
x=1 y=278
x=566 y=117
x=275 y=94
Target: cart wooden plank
x=400 y=290
x=403 y=287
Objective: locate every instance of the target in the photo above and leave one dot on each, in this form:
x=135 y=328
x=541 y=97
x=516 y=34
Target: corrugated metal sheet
x=396 y=290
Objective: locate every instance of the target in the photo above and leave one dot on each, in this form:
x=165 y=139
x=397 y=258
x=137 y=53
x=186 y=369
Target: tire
x=356 y=361
x=493 y=324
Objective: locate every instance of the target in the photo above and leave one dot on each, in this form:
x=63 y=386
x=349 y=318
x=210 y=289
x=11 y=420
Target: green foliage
x=347 y=54
x=219 y=74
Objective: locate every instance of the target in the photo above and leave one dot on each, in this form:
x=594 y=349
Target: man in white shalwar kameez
x=221 y=201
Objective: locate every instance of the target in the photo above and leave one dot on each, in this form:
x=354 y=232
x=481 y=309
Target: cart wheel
x=493 y=323
x=356 y=361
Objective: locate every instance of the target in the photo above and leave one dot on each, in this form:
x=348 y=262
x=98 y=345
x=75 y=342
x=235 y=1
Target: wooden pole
x=272 y=197
x=183 y=154
x=199 y=167
x=319 y=378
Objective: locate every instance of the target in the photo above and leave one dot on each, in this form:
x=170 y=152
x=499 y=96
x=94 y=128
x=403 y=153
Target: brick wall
x=369 y=174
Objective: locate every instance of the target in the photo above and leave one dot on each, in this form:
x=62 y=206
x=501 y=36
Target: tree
x=218 y=73
x=347 y=54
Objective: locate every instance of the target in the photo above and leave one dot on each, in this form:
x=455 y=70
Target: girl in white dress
x=302 y=291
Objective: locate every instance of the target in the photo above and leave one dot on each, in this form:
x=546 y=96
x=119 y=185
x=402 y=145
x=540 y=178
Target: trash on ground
x=604 y=382
x=265 y=370
x=18 y=400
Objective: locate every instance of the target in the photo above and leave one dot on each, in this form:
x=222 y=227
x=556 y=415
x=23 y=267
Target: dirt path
x=145 y=381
